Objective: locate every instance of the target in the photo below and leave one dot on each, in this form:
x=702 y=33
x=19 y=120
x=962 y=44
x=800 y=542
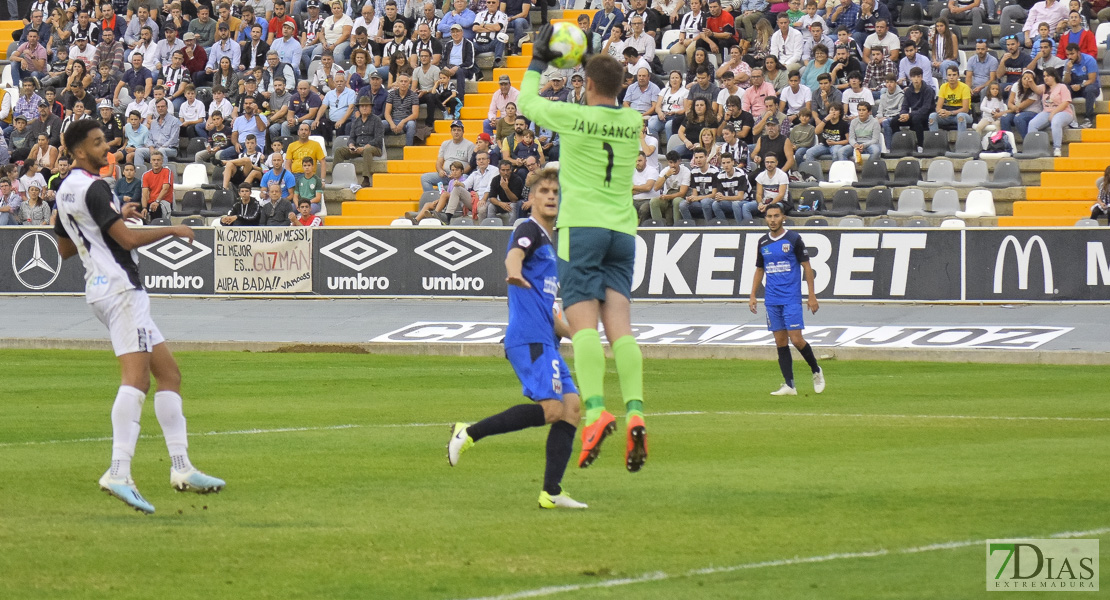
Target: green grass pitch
x=320 y=511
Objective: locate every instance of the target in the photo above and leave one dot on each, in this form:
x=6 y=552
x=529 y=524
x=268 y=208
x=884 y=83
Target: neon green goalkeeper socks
x=630 y=369
x=589 y=367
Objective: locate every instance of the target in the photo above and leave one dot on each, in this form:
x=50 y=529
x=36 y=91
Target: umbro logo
x=453 y=251
x=358 y=250
x=175 y=253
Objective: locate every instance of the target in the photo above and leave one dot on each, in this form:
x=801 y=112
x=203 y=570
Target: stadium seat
x=1101 y=33
x=845 y=202
x=323 y=143
x=902 y=144
x=462 y=222
x=814 y=199
x=812 y=169
x=917 y=222
x=976 y=33
x=841 y=173
x=974 y=173
x=343 y=176
x=873 y=173
x=654 y=223
x=675 y=143
x=986 y=141
x=935 y=144
x=674 y=62
x=686 y=223
x=669 y=38
x=817 y=222
x=884 y=222
x=195 y=145
x=340 y=141
x=400 y=223
x=906 y=173
x=933 y=8
x=912 y=13
x=749 y=223
x=312 y=68
x=718 y=223
x=427 y=197
x=492 y=222
x=518 y=221
x=1035 y=144
x=1086 y=223
x=195 y=175
x=941 y=172
x=911 y=203
x=193 y=222
x=850 y=222
x=953 y=224
x=222 y=201
x=1104 y=68
x=430 y=222
x=980 y=203
x=286 y=140
x=946 y=202
x=165 y=222
x=968 y=145
x=879 y=200
x=191 y=204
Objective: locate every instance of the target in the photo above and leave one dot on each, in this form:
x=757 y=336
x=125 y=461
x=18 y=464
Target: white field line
x=785 y=562
x=682 y=413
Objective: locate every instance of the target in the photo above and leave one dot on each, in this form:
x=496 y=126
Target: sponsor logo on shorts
x=36 y=260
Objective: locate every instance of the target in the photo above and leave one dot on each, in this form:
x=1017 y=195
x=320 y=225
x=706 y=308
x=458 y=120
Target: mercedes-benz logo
x=36 y=264
x=358 y=250
x=453 y=251
x=175 y=253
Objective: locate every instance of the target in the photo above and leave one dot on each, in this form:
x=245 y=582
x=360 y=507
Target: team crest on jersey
x=786 y=247
x=524 y=242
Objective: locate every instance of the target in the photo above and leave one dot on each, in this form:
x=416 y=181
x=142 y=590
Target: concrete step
x=1094 y=150
x=356 y=221
x=1037 y=221
x=1073 y=163
x=382 y=193
x=471 y=127
x=1050 y=208
x=1038 y=193
x=1070 y=179
x=420 y=153
x=378 y=209
x=411 y=166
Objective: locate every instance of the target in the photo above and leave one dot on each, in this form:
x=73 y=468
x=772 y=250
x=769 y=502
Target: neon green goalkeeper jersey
x=598 y=146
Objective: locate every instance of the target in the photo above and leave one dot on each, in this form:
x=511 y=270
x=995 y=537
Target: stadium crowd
x=735 y=94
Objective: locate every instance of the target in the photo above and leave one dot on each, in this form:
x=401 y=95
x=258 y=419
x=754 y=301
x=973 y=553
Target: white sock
x=167 y=406
x=126 y=411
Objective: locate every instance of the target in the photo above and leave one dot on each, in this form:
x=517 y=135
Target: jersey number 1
x=608 y=169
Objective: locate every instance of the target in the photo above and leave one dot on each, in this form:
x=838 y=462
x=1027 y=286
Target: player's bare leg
x=126 y=412
x=807 y=353
x=616 y=315
x=168 y=407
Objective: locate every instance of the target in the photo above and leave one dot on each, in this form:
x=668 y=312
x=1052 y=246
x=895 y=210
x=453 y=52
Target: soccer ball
x=571 y=41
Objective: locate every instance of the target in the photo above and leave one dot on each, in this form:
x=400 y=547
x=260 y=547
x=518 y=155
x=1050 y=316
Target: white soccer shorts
x=127 y=317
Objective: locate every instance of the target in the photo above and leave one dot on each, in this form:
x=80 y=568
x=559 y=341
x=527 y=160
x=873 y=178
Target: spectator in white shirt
x=786 y=44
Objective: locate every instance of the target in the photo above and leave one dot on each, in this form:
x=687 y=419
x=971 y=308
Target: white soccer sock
x=126 y=411
x=167 y=406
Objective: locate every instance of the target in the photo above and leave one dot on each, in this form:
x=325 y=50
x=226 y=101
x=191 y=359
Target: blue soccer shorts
x=542 y=371
x=785 y=317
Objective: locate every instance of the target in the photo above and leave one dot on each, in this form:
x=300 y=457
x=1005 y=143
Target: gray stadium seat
x=845 y=202
x=463 y=222
x=946 y=202
x=968 y=145
x=674 y=143
x=906 y=173
x=974 y=173
x=941 y=172
x=654 y=223
x=718 y=222
x=1036 y=144
x=850 y=222
x=749 y=223
x=911 y=203
x=492 y=222
x=817 y=222
x=814 y=198
x=879 y=201
x=902 y=144
x=1007 y=173
x=935 y=144
x=884 y=222
x=811 y=168
x=193 y=222
x=165 y=222
x=873 y=173
x=917 y=222
x=191 y=204
x=686 y=223
x=344 y=175
x=222 y=201
x=1079 y=223
x=675 y=62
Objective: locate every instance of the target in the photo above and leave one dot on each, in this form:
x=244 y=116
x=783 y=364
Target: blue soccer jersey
x=781 y=259
x=530 y=318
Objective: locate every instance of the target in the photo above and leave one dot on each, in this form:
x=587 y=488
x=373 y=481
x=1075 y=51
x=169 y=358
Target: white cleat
x=819 y=381
x=460 y=442
x=195 y=481
x=785 y=390
x=124 y=489
x=561 y=501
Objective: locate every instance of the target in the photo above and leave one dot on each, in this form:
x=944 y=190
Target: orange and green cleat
x=636 y=454
x=593 y=435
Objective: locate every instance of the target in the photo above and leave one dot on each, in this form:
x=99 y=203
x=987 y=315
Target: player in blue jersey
x=531 y=345
x=782 y=257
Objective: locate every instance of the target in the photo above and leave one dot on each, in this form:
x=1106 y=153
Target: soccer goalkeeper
x=596 y=238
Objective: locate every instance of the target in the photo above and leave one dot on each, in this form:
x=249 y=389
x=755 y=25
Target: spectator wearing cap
x=302 y=147
x=376 y=92
x=165 y=131
x=203 y=27
x=460 y=15
x=558 y=91
x=137 y=77
x=133 y=34
x=367 y=140
x=456 y=149
x=484 y=143
x=110 y=51
x=46 y=122
x=288 y=47
x=196 y=57
x=334 y=119
x=402 y=108
x=83 y=51
x=254 y=49
x=458 y=53
x=488 y=26
x=250 y=90
x=29 y=59
x=223 y=46
x=311 y=34
x=111 y=125
x=77 y=94
x=506 y=94
x=577 y=93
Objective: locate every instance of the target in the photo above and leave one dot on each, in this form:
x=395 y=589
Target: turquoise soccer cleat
x=195 y=481
x=124 y=489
